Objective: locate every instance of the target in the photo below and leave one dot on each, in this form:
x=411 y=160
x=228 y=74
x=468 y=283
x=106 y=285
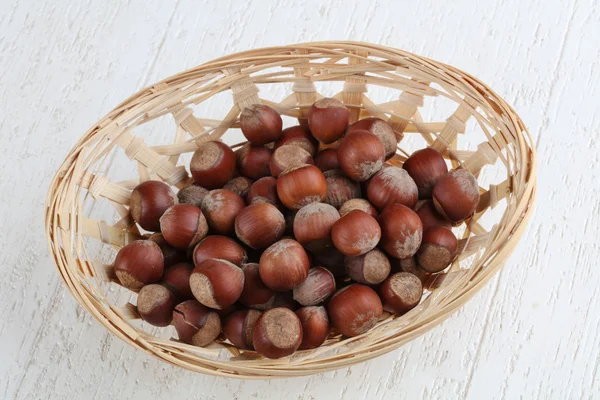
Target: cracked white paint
x=531 y=333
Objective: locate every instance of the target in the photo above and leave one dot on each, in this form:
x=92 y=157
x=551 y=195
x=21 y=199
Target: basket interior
x=153 y=134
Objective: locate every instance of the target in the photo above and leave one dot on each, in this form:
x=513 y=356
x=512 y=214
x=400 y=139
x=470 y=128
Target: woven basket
x=478 y=131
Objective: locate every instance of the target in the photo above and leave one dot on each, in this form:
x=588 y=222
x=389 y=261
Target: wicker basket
x=494 y=145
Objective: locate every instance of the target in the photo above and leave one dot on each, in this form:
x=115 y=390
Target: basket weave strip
x=301 y=68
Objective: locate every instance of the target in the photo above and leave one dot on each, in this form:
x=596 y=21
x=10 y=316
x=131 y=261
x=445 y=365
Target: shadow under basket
x=477 y=130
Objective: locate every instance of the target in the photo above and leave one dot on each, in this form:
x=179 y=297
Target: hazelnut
x=316 y=288
x=171 y=255
x=260 y=124
x=381 y=129
x=238 y=328
x=284 y=265
x=328 y=119
x=288 y=156
x=255 y=293
x=265 y=190
x=155 y=304
x=315 y=326
x=221 y=247
x=411 y=266
x=392 y=185
x=139 y=263
x=401 y=231
x=183 y=225
x=277 y=333
x=240 y=186
x=371 y=268
x=355 y=233
x=313 y=224
x=196 y=324
x=259 y=225
x=340 y=188
x=358 y=204
x=437 y=250
x=360 y=155
x=217 y=283
x=177 y=279
x=213 y=164
x=253 y=161
x=456 y=195
x=148 y=202
x=429 y=215
x=299 y=186
x=192 y=194
x=401 y=292
x=354 y=309
x=220 y=207
x=326 y=160
x=298 y=136
x=425 y=166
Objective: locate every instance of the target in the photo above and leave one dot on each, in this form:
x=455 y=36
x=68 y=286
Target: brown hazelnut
x=139 y=263
x=392 y=185
x=401 y=231
x=255 y=294
x=411 y=266
x=354 y=309
x=238 y=328
x=155 y=304
x=429 y=215
x=217 y=283
x=284 y=265
x=196 y=324
x=220 y=207
x=253 y=161
x=288 y=156
x=171 y=255
x=425 y=166
x=401 y=292
x=313 y=223
x=192 y=194
x=240 y=186
x=328 y=119
x=299 y=186
x=371 y=268
x=148 y=202
x=221 y=247
x=177 y=279
x=358 y=204
x=437 y=250
x=316 y=288
x=326 y=160
x=340 y=188
x=456 y=195
x=264 y=188
x=183 y=225
x=315 y=326
x=260 y=124
x=277 y=333
x=298 y=136
x=355 y=233
x=381 y=129
x=213 y=164
x=360 y=155
x=259 y=225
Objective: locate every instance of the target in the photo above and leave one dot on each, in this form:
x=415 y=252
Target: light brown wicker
x=83 y=247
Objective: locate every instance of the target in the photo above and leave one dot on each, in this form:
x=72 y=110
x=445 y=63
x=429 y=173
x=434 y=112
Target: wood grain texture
x=532 y=333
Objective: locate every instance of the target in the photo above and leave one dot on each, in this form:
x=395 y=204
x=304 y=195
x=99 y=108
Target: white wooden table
x=531 y=333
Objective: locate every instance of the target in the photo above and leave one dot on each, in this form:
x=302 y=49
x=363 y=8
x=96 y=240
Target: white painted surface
x=532 y=333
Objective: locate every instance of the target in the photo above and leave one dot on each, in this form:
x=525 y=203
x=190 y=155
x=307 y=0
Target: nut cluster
x=301 y=233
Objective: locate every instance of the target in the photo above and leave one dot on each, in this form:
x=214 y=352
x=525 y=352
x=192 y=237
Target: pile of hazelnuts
x=299 y=231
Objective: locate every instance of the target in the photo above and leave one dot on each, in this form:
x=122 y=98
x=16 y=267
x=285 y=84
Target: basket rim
x=55 y=212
